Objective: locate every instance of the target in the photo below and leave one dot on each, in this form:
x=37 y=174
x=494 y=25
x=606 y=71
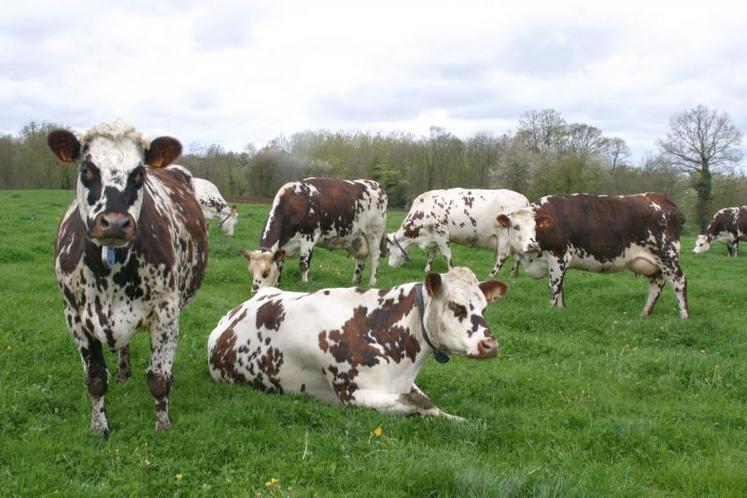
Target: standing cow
x=465 y=217
x=353 y=346
x=130 y=253
x=729 y=225
x=215 y=206
x=602 y=234
x=328 y=212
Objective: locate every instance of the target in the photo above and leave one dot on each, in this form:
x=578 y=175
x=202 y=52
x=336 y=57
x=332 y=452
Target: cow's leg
x=306 y=250
x=412 y=403
x=97 y=377
x=500 y=259
x=557 y=268
x=736 y=248
x=675 y=277
x=515 y=268
x=124 y=367
x=360 y=266
x=656 y=283
x=730 y=247
x=164 y=333
x=446 y=251
x=431 y=257
x=374 y=252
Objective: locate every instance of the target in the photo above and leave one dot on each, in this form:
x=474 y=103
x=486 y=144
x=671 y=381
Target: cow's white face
x=702 y=244
x=398 y=255
x=520 y=229
x=454 y=315
x=264 y=267
x=112 y=159
x=229 y=224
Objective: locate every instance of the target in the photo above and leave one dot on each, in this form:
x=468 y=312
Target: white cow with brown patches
x=214 y=206
x=354 y=346
x=463 y=216
x=130 y=254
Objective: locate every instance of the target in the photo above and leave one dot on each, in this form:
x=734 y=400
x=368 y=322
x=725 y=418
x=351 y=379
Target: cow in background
x=729 y=225
x=130 y=253
x=462 y=216
x=354 y=346
x=215 y=206
x=602 y=234
x=328 y=212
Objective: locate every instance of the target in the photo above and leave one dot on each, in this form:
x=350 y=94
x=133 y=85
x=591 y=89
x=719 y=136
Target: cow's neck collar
x=220 y=225
x=439 y=355
x=407 y=256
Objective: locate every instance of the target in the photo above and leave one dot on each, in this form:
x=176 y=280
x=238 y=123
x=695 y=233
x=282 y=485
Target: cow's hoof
x=163 y=425
x=123 y=375
x=100 y=427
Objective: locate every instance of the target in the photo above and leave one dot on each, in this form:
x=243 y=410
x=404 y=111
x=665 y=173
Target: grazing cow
x=331 y=213
x=215 y=206
x=728 y=225
x=465 y=217
x=354 y=346
x=602 y=234
x=130 y=253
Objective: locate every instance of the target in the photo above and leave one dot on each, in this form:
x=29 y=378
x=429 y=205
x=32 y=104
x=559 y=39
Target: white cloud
x=232 y=72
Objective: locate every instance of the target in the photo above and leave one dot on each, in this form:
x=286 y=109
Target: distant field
x=587 y=401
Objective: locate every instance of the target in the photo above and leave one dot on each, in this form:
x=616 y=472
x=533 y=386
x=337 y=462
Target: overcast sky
x=233 y=72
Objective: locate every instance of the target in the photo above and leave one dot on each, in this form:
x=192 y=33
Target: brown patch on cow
x=412 y=226
x=270 y=315
x=370 y=336
x=223 y=355
x=468 y=200
x=459 y=311
x=269 y=363
x=417 y=399
x=343 y=383
x=477 y=322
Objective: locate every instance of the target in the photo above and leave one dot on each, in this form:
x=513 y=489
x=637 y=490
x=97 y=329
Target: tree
x=699 y=141
x=543 y=130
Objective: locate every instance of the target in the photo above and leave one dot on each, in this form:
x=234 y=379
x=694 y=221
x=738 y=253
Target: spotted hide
x=130 y=253
x=466 y=217
x=325 y=212
x=729 y=225
x=354 y=346
x=215 y=206
x=601 y=234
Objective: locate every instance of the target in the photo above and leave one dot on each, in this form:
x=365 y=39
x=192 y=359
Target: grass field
x=587 y=401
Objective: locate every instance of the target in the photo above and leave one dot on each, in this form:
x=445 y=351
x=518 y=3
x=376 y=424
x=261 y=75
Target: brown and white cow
x=130 y=253
x=325 y=212
x=602 y=234
x=462 y=216
x=215 y=206
x=353 y=346
x=729 y=225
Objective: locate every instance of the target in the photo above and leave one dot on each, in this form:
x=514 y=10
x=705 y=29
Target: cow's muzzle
x=114 y=229
x=532 y=247
x=487 y=348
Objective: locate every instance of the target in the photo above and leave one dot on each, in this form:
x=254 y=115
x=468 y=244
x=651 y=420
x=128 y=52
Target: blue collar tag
x=108 y=256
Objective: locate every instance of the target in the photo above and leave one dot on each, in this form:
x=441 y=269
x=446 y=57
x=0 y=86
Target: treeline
x=544 y=155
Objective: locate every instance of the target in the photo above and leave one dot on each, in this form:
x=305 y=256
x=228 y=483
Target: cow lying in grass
x=729 y=225
x=354 y=346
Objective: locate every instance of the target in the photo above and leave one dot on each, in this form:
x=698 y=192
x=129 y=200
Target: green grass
x=587 y=401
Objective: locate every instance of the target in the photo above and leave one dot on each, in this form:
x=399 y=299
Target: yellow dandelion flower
x=377 y=432
x=272 y=482
x=179 y=476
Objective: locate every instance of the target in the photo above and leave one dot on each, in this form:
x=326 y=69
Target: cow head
x=521 y=229
x=112 y=158
x=398 y=254
x=454 y=312
x=702 y=244
x=265 y=267
x=228 y=224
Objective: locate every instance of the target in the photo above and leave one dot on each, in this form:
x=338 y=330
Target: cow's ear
x=543 y=222
x=162 y=152
x=64 y=145
x=279 y=256
x=503 y=220
x=493 y=289
x=433 y=283
x=247 y=254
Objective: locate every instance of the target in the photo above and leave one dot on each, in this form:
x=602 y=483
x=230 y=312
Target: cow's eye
x=516 y=227
x=138 y=176
x=88 y=172
x=265 y=274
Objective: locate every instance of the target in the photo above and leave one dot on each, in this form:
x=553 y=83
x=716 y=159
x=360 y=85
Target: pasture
x=587 y=401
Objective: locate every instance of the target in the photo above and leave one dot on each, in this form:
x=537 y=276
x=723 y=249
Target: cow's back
x=605 y=225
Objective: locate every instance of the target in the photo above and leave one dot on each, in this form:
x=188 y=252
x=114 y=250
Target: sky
x=237 y=72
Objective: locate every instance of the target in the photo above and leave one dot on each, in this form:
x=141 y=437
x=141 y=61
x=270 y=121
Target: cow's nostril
x=126 y=224
x=104 y=222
